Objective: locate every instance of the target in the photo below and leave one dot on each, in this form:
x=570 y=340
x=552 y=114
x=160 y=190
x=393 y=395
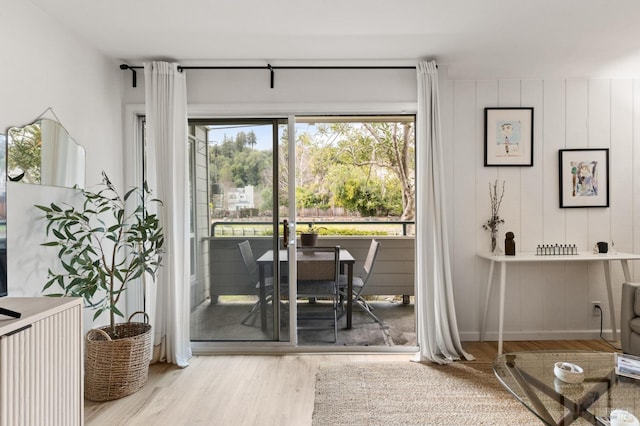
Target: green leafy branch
x=104 y=245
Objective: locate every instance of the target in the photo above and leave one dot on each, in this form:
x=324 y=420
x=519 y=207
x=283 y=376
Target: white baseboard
x=474 y=336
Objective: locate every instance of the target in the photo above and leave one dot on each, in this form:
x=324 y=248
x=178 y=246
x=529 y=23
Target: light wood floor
x=256 y=389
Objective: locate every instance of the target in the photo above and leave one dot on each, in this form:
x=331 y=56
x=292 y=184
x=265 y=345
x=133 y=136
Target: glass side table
x=530 y=378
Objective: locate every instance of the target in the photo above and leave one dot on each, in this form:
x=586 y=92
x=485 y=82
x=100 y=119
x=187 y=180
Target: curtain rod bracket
x=134 y=75
x=271 y=73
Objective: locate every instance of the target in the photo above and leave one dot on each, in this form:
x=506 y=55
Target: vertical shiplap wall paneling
x=509 y=95
x=553 y=135
x=635 y=222
x=486 y=96
x=465 y=141
x=446 y=131
x=531 y=214
x=620 y=175
x=531 y=182
x=621 y=172
x=547 y=300
x=577 y=94
x=576 y=220
x=599 y=218
x=553 y=139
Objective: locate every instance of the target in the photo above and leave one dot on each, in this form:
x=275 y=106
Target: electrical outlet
x=596 y=308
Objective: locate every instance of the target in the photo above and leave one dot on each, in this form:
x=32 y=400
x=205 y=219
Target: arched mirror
x=3 y=216
x=43 y=153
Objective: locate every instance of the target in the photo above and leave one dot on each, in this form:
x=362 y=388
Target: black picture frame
x=508 y=137
x=584 y=177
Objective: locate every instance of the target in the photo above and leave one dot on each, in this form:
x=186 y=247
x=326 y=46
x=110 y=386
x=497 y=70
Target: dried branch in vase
x=496 y=200
x=492 y=224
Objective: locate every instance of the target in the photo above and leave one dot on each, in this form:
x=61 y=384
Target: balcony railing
x=234 y=228
x=393 y=274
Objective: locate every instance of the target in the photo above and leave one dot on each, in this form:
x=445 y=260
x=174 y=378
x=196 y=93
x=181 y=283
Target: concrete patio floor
x=222 y=321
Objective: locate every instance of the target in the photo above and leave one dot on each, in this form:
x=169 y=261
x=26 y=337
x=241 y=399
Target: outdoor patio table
x=346 y=259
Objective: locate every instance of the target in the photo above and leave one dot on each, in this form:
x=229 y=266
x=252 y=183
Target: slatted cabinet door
x=41 y=362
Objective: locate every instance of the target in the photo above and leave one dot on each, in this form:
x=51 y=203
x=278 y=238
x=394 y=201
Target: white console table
x=532 y=257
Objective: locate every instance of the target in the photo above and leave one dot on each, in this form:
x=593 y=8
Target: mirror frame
x=62 y=159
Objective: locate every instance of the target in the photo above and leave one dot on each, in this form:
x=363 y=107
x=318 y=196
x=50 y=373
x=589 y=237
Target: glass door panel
x=355 y=183
x=244 y=296
x=354 y=180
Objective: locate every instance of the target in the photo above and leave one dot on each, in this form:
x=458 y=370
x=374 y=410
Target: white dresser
x=41 y=380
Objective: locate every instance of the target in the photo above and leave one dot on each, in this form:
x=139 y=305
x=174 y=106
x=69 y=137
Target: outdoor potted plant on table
x=309 y=237
x=105 y=245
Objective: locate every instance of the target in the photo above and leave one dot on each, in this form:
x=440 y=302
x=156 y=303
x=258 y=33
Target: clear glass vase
x=494 y=247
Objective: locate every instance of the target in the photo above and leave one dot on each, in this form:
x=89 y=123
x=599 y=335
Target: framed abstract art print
x=584 y=177
x=508 y=136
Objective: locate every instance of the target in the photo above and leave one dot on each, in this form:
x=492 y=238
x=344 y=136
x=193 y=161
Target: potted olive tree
x=104 y=246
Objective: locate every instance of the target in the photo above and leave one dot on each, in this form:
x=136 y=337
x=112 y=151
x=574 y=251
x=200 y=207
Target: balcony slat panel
x=394 y=272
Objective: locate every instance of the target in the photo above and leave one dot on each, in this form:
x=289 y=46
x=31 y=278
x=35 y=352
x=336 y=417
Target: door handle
x=285 y=233
x=11 y=333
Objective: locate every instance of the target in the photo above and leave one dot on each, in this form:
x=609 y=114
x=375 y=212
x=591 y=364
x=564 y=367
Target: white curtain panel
x=167 y=302
x=438 y=336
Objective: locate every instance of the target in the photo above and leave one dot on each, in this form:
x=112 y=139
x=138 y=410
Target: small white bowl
x=568 y=372
x=623 y=418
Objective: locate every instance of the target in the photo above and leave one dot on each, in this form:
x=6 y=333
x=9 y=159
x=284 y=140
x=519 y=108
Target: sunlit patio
x=222 y=309
x=223 y=321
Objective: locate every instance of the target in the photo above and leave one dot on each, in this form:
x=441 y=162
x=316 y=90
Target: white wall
x=310 y=87
x=44 y=65
x=543 y=301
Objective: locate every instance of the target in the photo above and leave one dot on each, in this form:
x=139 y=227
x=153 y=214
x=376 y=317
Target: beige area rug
x=409 y=393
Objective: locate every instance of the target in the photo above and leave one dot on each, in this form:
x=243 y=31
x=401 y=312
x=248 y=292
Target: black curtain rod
x=272 y=68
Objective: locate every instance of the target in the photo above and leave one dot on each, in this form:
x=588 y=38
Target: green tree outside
x=25 y=152
x=364 y=167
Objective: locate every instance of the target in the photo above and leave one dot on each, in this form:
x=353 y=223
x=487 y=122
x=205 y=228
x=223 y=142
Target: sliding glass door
x=354 y=184
x=241 y=173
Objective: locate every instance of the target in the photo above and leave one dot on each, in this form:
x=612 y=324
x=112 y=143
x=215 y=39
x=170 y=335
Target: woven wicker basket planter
x=117 y=365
